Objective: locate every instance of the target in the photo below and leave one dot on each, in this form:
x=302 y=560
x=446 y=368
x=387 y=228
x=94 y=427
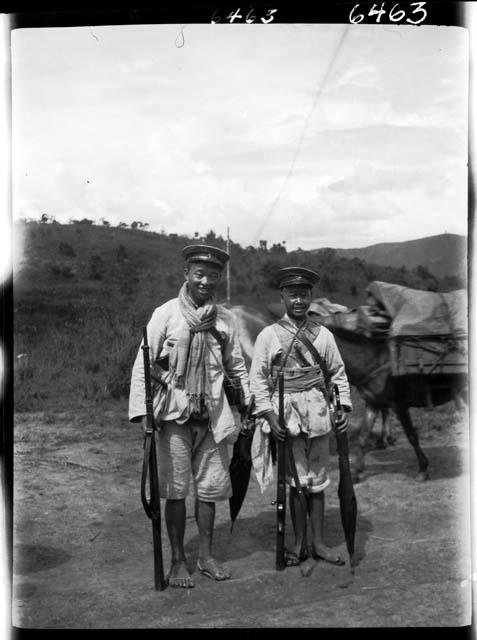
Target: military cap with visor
x=205 y=253
x=296 y=276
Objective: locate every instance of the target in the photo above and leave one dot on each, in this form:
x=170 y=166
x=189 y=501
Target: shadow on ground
x=28 y=558
x=258 y=534
x=445 y=462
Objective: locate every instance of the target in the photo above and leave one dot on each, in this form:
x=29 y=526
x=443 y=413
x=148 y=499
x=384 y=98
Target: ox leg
x=390 y=437
x=360 y=440
x=383 y=436
x=458 y=397
x=411 y=434
x=387 y=433
x=370 y=415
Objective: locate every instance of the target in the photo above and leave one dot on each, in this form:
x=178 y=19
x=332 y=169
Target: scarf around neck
x=187 y=359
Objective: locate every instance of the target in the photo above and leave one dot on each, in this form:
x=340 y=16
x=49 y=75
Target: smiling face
x=297 y=300
x=202 y=279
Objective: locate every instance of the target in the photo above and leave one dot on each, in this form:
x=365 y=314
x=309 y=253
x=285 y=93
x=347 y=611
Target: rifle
x=338 y=407
x=281 y=486
x=152 y=507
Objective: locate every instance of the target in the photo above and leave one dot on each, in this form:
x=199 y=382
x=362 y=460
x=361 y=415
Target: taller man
x=197 y=338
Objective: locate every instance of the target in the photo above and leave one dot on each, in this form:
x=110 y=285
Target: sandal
x=291 y=558
x=213 y=570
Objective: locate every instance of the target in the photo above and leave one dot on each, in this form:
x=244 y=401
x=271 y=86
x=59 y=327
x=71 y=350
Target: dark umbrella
x=347 y=497
x=241 y=465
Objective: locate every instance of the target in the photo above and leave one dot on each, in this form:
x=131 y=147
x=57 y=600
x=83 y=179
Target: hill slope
x=83 y=292
x=442 y=255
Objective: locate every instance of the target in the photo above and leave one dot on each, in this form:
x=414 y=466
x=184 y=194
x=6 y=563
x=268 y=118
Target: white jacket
x=163 y=329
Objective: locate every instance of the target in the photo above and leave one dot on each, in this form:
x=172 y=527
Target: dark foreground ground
x=83 y=544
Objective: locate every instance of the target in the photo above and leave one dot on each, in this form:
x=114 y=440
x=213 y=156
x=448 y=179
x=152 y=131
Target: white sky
x=236 y=128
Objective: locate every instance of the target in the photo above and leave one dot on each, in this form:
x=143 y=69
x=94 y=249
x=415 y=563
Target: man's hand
x=247 y=423
x=278 y=432
x=342 y=422
x=144 y=424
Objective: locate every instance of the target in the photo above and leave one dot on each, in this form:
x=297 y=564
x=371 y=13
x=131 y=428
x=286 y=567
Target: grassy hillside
x=442 y=255
x=82 y=293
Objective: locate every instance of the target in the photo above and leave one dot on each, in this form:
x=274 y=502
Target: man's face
x=202 y=278
x=297 y=301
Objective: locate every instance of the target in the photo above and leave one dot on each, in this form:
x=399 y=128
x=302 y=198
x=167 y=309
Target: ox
x=368 y=368
x=248 y=324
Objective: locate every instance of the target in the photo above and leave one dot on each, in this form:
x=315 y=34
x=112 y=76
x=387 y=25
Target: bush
x=66 y=250
x=61 y=270
x=121 y=253
x=96 y=267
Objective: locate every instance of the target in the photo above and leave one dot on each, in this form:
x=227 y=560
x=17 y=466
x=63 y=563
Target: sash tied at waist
x=299 y=378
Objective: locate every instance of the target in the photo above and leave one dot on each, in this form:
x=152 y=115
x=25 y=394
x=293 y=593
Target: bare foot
x=322 y=552
x=178 y=576
x=307 y=566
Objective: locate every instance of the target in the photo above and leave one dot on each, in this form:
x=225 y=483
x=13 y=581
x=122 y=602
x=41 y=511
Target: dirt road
x=83 y=545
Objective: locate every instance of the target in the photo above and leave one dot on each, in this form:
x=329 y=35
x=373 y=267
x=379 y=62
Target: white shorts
x=188 y=451
x=311 y=460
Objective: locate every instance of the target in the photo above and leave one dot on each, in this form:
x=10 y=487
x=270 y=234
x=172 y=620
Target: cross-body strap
x=320 y=361
x=312 y=349
x=219 y=337
x=221 y=340
x=282 y=366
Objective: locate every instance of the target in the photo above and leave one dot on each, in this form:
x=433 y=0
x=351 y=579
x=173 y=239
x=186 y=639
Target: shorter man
x=279 y=348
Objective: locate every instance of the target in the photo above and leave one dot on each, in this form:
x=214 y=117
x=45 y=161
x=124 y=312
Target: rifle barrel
x=281 y=487
x=152 y=506
x=159 y=581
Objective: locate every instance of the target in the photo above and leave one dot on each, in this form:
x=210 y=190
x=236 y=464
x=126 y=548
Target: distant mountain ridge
x=442 y=255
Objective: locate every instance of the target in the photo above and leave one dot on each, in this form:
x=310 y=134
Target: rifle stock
x=281 y=486
x=152 y=506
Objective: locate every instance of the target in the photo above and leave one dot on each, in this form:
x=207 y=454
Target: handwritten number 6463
x=395 y=14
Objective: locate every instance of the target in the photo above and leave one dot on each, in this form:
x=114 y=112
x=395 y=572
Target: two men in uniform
x=197 y=340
